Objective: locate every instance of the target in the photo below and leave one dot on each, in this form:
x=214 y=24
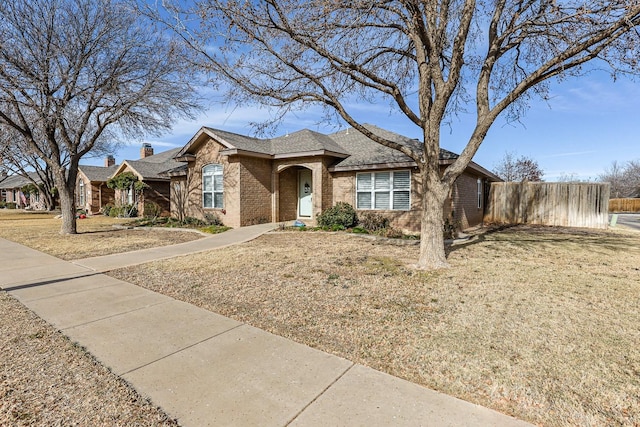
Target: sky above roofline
x=588 y=123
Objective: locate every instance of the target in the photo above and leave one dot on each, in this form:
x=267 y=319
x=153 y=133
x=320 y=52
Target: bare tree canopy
x=512 y=169
x=624 y=179
x=426 y=59
x=76 y=75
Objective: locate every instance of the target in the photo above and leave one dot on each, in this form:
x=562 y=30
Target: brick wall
x=464 y=196
x=255 y=191
x=288 y=194
x=158 y=192
x=209 y=152
x=465 y=201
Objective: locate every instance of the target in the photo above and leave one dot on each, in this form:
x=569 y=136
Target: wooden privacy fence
x=624 y=205
x=549 y=203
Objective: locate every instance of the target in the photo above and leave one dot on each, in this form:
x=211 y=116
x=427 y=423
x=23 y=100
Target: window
x=212 y=187
x=479 y=193
x=383 y=190
x=81 y=194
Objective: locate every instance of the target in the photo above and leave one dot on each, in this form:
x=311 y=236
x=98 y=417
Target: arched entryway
x=295 y=193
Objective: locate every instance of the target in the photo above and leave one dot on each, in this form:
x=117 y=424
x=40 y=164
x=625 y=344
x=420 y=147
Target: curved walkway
x=208 y=370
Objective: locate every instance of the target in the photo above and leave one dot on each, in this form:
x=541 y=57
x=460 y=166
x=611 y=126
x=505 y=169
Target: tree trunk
x=67 y=203
x=434 y=195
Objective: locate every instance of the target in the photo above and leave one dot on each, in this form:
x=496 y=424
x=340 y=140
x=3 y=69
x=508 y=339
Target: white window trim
x=213 y=191
x=479 y=184
x=391 y=190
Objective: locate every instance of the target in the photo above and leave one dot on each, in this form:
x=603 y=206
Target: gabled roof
x=98 y=173
x=300 y=143
x=18 y=181
x=151 y=168
x=354 y=150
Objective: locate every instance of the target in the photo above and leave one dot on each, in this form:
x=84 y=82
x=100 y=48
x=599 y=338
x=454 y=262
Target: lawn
x=96 y=235
x=539 y=323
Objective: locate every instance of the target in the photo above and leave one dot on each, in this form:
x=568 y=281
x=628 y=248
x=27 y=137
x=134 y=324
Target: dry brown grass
x=96 y=235
x=45 y=380
x=542 y=324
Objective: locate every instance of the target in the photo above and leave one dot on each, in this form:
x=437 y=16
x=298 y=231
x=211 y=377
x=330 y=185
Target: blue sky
x=588 y=123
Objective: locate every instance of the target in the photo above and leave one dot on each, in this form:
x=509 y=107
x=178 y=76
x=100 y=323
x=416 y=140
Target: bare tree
x=427 y=59
x=19 y=159
x=77 y=74
x=512 y=169
x=624 y=179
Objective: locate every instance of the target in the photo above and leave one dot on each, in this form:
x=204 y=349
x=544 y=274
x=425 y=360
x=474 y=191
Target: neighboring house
x=149 y=169
x=246 y=180
x=92 y=193
x=10 y=191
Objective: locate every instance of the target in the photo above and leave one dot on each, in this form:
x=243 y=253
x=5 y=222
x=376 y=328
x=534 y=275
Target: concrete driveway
x=629 y=220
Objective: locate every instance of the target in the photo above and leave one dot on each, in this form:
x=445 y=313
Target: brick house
x=150 y=169
x=10 y=191
x=92 y=193
x=245 y=180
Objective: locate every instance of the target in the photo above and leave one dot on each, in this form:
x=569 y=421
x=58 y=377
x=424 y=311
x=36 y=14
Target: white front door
x=305 y=193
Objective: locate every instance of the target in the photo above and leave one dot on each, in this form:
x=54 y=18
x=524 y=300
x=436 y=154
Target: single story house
x=149 y=169
x=245 y=180
x=10 y=191
x=92 y=193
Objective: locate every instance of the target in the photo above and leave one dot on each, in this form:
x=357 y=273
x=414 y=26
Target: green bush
x=3 y=204
x=342 y=214
x=372 y=221
x=191 y=221
x=113 y=211
x=152 y=210
x=11 y=205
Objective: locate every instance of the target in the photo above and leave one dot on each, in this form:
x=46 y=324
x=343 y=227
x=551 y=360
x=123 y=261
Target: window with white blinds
x=384 y=190
x=212 y=186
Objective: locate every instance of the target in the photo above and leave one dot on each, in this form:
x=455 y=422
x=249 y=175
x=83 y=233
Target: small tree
x=127 y=183
x=512 y=169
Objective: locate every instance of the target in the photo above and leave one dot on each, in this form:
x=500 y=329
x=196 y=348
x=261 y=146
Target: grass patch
x=96 y=235
x=214 y=229
x=538 y=323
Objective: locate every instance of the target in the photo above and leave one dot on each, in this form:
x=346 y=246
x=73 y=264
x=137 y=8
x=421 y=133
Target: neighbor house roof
x=152 y=168
x=98 y=173
x=18 y=181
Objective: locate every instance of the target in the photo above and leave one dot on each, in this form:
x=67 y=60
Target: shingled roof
x=18 y=181
x=152 y=168
x=365 y=153
x=98 y=173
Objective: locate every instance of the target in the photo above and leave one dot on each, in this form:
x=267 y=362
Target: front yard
x=96 y=235
x=538 y=323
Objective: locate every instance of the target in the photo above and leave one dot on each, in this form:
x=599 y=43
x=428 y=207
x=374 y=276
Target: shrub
x=392 y=233
x=212 y=219
x=106 y=209
x=3 y=204
x=152 y=210
x=342 y=214
x=191 y=221
x=11 y=205
x=372 y=221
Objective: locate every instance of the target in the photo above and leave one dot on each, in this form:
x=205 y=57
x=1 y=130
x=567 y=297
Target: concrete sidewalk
x=209 y=370
x=214 y=241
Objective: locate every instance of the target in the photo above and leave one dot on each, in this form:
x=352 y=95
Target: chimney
x=109 y=161
x=146 y=150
